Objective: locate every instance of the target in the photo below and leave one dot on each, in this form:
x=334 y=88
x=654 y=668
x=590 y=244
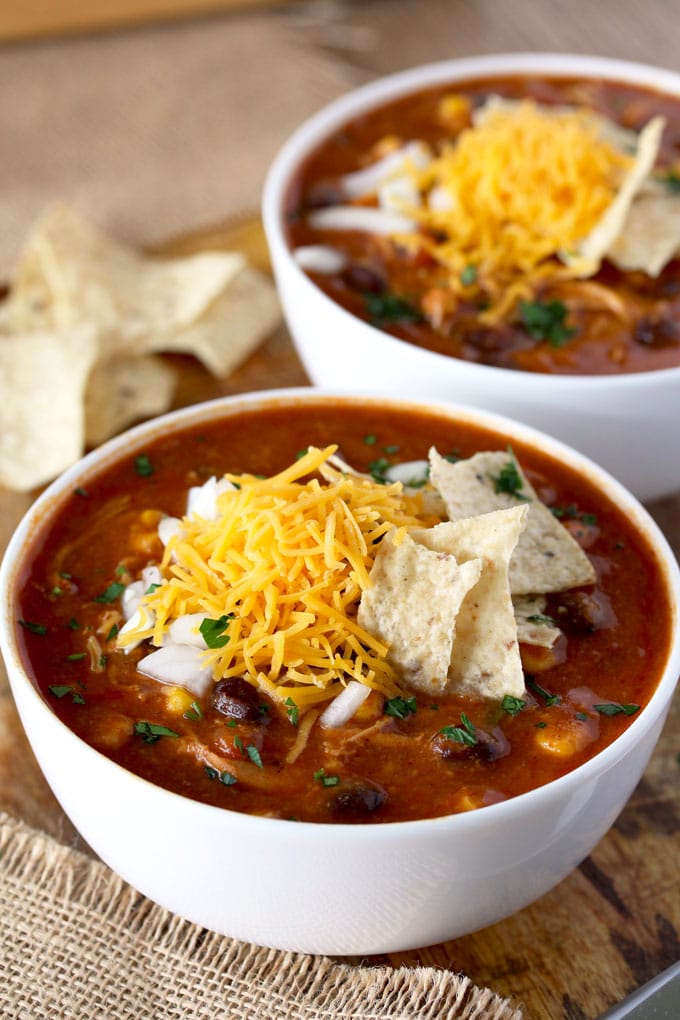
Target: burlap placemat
x=78 y=942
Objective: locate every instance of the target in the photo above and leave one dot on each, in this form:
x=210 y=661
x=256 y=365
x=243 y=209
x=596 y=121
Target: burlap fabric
x=77 y=943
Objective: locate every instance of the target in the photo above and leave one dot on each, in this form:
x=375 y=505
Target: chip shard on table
x=547 y=558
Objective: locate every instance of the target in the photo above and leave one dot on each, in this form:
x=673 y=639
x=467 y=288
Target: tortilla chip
x=485 y=660
x=121 y=391
x=412 y=605
x=650 y=237
x=533 y=628
x=547 y=558
x=603 y=235
x=230 y=328
x=42 y=384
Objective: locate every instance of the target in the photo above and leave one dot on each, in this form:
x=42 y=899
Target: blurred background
x=159 y=117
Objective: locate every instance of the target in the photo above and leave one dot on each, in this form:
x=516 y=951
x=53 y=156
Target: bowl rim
x=320 y=125
x=132 y=440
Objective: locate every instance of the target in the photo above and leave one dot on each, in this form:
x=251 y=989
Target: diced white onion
x=367 y=180
x=398 y=193
x=439 y=199
x=168 y=527
x=151 y=575
x=142 y=619
x=180 y=665
x=202 y=499
x=411 y=472
x=361 y=217
x=344 y=705
x=320 y=258
x=131 y=597
x=184 y=630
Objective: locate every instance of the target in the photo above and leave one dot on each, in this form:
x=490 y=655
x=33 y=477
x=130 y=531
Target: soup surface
x=402 y=754
x=494 y=239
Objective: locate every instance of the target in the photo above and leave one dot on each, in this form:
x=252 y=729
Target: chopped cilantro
x=581 y=716
x=65 y=575
x=151 y=589
x=113 y=592
x=77 y=698
x=464 y=734
x=613 y=708
x=541 y=725
x=80 y=491
x=73 y=624
x=121 y=570
x=550 y=699
x=143 y=466
x=545 y=320
x=59 y=690
x=112 y=633
x=541 y=618
x=400 y=708
x=370 y=440
x=194 y=712
x=589 y=519
x=34 y=628
x=390 y=449
x=57 y=591
x=302 y=453
x=513 y=706
x=76 y=656
x=509 y=480
x=225 y=777
x=377 y=469
x=468 y=275
x=151 y=732
x=213 y=631
x=103 y=659
x=254 y=755
x=321 y=777
x=292 y=711
x=383 y=308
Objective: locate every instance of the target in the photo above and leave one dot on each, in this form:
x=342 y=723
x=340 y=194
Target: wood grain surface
x=613 y=924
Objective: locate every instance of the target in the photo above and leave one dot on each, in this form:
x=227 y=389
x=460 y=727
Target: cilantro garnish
x=60 y=690
x=151 y=589
x=370 y=440
x=76 y=656
x=468 y=275
x=383 y=308
x=151 y=732
x=513 y=706
x=541 y=618
x=254 y=755
x=34 y=628
x=112 y=633
x=546 y=321
x=143 y=466
x=550 y=699
x=213 y=631
x=113 y=592
x=509 y=480
x=57 y=591
x=292 y=711
x=80 y=491
x=581 y=716
x=378 y=468
x=73 y=624
x=464 y=734
x=613 y=708
x=194 y=712
x=321 y=777
x=400 y=708
x=225 y=777
x=672 y=181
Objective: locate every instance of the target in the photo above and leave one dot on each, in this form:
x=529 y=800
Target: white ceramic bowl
x=336 y=889
x=628 y=423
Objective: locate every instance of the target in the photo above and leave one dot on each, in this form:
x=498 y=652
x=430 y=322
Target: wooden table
x=615 y=922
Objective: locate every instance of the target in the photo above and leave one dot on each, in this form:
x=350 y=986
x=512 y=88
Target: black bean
x=661 y=331
x=364 y=279
x=356 y=798
x=488 y=746
x=236 y=699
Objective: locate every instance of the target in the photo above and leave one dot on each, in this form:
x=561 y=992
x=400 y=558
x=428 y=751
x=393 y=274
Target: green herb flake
x=377 y=469
x=78 y=698
x=151 y=589
x=581 y=716
x=468 y=275
x=57 y=591
x=541 y=725
x=238 y=743
x=143 y=466
x=589 y=519
x=541 y=618
x=385 y=308
x=389 y=450
x=103 y=659
x=194 y=712
x=73 y=624
x=59 y=690
x=65 y=575
x=151 y=732
x=546 y=321
x=509 y=480
x=113 y=633
x=550 y=699
x=513 y=706
x=370 y=440
x=80 y=491
x=254 y=755
x=400 y=708
x=321 y=777
x=34 y=628
x=613 y=708
x=121 y=570
x=292 y=711
x=463 y=734
x=226 y=778
x=113 y=592
x=76 y=656
x=213 y=631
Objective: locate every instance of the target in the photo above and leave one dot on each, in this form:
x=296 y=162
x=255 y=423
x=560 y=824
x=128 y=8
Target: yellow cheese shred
x=286 y=561
x=520 y=190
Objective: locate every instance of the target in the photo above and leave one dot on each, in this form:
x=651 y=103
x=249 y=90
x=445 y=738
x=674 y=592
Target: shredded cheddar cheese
x=514 y=193
x=285 y=562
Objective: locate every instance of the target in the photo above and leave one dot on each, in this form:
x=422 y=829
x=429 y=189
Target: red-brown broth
x=94 y=531
x=603 y=343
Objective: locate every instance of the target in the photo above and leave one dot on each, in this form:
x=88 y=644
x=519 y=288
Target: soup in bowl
x=300 y=648
x=501 y=230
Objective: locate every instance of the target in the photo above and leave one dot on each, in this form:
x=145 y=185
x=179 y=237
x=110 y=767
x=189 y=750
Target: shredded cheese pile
x=523 y=186
x=288 y=558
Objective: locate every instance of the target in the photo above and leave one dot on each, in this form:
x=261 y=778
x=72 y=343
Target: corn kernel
x=177 y=699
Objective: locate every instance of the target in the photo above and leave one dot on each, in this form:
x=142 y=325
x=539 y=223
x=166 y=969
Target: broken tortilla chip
x=412 y=606
x=547 y=558
x=533 y=626
x=43 y=376
x=650 y=237
x=121 y=391
x=485 y=660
